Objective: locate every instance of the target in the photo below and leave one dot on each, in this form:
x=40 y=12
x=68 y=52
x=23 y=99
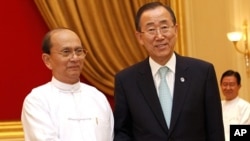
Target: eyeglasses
x=163 y=30
x=80 y=52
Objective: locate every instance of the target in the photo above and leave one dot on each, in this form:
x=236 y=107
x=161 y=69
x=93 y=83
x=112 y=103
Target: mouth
x=161 y=46
x=74 y=67
x=228 y=93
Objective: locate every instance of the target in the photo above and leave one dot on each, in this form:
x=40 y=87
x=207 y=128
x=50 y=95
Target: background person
x=66 y=109
x=196 y=107
x=235 y=109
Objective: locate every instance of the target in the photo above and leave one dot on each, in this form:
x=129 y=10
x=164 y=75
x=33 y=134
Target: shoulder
x=93 y=94
x=133 y=69
x=192 y=61
x=243 y=106
x=194 y=66
x=92 y=91
x=40 y=89
x=37 y=96
x=243 y=102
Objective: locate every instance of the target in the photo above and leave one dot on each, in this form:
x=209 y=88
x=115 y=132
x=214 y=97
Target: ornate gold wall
x=207 y=23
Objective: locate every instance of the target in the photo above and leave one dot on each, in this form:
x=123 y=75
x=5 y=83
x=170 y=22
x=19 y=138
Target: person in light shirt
x=66 y=109
x=235 y=109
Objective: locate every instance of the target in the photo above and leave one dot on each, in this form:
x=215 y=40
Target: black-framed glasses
x=67 y=52
x=154 y=31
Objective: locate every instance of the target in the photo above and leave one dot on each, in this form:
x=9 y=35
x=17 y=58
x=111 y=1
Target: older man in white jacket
x=66 y=109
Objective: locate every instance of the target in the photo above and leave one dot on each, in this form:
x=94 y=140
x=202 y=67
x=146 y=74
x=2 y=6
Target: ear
x=176 y=29
x=139 y=37
x=46 y=60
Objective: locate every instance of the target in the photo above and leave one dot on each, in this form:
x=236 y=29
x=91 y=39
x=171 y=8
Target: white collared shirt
x=61 y=112
x=170 y=77
x=236 y=111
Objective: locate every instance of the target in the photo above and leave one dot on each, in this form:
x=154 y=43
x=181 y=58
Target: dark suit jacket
x=196 y=113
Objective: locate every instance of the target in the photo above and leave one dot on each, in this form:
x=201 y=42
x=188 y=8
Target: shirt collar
x=170 y=64
x=64 y=86
x=233 y=100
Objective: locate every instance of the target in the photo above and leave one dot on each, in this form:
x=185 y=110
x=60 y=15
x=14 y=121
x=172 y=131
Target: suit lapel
x=146 y=84
x=182 y=82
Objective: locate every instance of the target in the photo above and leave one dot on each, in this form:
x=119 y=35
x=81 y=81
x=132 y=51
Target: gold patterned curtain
x=107 y=30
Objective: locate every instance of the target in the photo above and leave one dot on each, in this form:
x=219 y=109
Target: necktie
x=164 y=95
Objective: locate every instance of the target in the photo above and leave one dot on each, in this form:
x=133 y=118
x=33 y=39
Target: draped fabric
x=107 y=31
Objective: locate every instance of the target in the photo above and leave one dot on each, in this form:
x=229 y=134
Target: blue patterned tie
x=164 y=95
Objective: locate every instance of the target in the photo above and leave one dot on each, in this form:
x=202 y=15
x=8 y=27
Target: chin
x=75 y=75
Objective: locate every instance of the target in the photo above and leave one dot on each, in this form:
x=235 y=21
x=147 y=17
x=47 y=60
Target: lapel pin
x=182 y=79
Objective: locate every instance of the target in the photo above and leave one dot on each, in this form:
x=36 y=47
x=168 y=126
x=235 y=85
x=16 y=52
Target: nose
x=227 y=87
x=74 y=56
x=159 y=35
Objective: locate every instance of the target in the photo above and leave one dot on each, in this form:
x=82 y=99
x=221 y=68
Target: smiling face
x=230 y=87
x=161 y=45
x=65 y=68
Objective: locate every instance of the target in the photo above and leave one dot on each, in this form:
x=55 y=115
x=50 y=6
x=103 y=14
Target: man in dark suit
x=196 y=113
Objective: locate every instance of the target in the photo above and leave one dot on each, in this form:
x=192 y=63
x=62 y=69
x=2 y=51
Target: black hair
x=232 y=73
x=148 y=6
